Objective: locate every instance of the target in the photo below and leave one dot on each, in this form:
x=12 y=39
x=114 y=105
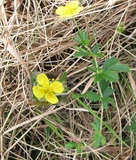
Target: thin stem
x=76 y=24
x=100 y=91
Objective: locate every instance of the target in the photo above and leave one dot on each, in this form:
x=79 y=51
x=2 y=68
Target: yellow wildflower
x=47 y=89
x=69 y=10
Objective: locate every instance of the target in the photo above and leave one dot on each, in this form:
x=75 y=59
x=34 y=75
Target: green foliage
x=95 y=48
x=98 y=138
x=63 y=77
x=112 y=64
x=70 y=145
x=92 y=96
x=103 y=75
x=105 y=101
x=106 y=90
x=82 y=38
x=81 y=52
x=109 y=71
x=73 y=145
x=109 y=75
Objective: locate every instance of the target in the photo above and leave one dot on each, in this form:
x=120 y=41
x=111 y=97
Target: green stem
x=100 y=91
x=104 y=123
x=76 y=24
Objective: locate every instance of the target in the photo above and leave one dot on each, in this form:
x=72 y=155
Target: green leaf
x=107 y=92
x=104 y=84
x=82 y=38
x=96 y=140
x=110 y=62
x=48 y=132
x=95 y=49
x=79 y=147
x=63 y=77
x=110 y=75
x=92 y=96
x=106 y=101
x=96 y=125
x=103 y=140
x=94 y=64
x=99 y=55
x=81 y=52
x=70 y=145
x=91 y=69
x=104 y=123
x=97 y=78
x=119 y=68
x=113 y=65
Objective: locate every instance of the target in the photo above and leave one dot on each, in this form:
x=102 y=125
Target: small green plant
x=98 y=138
x=103 y=76
x=74 y=145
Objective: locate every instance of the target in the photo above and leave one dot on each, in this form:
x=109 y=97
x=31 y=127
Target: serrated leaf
x=106 y=101
x=81 y=52
x=104 y=84
x=109 y=62
x=110 y=75
x=96 y=125
x=70 y=145
x=92 y=96
x=119 y=68
x=78 y=39
x=96 y=140
x=97 y=78
x=95 y=49
x=82 y=38
x=107 y=92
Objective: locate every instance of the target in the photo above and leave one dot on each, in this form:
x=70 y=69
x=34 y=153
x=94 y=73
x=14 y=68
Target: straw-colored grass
x=33 y=39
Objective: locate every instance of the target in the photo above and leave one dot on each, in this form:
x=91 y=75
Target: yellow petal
x=51 y=98
x=56 y=87
x=61 y=10
x=72 y=4
x=76 y=11
x=71 y=9
x=38 y=91
x=42 y=79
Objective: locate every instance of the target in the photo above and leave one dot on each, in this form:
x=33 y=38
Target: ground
x=34 y=40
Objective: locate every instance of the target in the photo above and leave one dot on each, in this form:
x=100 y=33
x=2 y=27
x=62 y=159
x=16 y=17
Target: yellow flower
x=69 y=10
x=47 y=89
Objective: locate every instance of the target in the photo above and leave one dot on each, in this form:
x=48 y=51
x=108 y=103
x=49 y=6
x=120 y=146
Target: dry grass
x=33 y=39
